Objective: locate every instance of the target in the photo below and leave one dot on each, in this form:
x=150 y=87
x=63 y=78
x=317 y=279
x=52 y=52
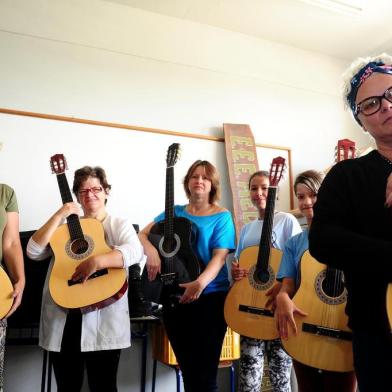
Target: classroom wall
x=105 y=61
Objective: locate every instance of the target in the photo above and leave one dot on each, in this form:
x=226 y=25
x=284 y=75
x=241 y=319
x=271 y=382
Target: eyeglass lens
x=372 y=105
x=94 y=190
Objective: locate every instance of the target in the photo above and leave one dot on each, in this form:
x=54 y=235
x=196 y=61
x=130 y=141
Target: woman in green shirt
x=12 y=256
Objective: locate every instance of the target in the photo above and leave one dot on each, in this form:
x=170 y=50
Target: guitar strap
x=242 y=162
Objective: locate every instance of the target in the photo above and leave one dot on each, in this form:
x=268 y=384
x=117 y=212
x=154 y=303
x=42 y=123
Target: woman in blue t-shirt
x=309 y=379
x=196 y=325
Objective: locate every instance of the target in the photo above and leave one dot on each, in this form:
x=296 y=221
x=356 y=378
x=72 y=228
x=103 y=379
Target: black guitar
x=174 y=238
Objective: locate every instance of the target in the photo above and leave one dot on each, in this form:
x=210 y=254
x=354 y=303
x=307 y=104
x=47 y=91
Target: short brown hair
x=85 y=172
x=312 y=179
x=212 y=175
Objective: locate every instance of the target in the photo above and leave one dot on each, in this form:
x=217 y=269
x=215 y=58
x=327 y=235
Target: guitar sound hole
x=169 y=245
x=262 y=277
x=332 y=288
x=79 y=246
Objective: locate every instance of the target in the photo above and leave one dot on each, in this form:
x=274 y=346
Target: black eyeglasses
x=94 y=190
x=372 y=105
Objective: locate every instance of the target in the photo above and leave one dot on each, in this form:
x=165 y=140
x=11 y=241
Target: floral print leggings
x=253 y=354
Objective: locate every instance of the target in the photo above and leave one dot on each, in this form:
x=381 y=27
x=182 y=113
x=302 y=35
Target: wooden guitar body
x=389 y=304
x=323 y=340
x=179 y=261
x=245 y=310
x=6 y=291
x=69 y=254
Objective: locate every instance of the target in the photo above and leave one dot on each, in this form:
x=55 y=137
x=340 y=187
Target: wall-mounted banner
x=242 y=162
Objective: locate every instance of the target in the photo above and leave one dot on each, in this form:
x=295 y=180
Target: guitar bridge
x=92 y=276
x=168 y=279
x=328 y=332
x=254 y=310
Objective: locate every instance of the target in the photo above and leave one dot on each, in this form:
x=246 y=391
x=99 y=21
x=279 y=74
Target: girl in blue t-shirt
x=196 y=326
x=309 y=379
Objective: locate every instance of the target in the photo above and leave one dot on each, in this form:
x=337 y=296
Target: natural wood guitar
x=323 y=340
x=74 y=242
x=389 y=304
x=245 y=310
x=6 y=291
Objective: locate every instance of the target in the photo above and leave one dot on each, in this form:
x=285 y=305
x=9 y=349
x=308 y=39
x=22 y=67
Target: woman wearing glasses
x=92 y=340
x=352 y=224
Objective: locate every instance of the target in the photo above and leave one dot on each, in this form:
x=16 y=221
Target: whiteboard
x=134 y=162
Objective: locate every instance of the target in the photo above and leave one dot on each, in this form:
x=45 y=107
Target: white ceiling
x=292 y=22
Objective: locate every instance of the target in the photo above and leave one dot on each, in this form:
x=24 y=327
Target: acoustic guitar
x=323 y=340
x=245 y=310
x=389 y=304
x=175 y=239
x=6 y=291
x=74 y=242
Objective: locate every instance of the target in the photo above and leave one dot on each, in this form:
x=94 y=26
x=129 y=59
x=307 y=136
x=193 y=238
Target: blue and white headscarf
x=357 y=80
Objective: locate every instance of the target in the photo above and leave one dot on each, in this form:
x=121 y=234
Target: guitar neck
x=75 y=229
x=168 y=228
x=266 y=234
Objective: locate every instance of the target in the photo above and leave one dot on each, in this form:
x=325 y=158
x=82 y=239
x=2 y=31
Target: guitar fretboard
x=75 y=229
x=266 y=234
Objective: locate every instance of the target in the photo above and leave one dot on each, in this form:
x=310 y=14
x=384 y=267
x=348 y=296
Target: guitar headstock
x=58 y=164
x=173 y=153
x=276 y=171
x=345 y=149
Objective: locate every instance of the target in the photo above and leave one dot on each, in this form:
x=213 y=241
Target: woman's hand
x=17 y=297
x=284 y=314
x=272 y=293
x=153 y=264
x=388 y=192
x=192 y=291
x=85 y=269
x=237 y=272
x=68 y=209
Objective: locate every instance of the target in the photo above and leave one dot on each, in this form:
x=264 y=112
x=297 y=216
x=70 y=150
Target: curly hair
x=85 y=172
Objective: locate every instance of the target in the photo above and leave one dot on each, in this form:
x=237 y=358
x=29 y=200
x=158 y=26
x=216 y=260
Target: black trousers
x=70 y=362
x=373 y=360
x=196 y=332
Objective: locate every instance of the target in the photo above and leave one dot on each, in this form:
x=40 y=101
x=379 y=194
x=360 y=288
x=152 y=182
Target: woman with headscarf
x=352 y=224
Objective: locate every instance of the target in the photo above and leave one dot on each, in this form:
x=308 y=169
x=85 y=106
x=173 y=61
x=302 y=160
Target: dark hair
x=85 y=172
x=259 y=173
x=211 y=173
x=312 y=179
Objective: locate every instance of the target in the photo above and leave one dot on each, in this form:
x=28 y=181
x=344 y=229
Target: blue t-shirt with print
x=214 y=231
